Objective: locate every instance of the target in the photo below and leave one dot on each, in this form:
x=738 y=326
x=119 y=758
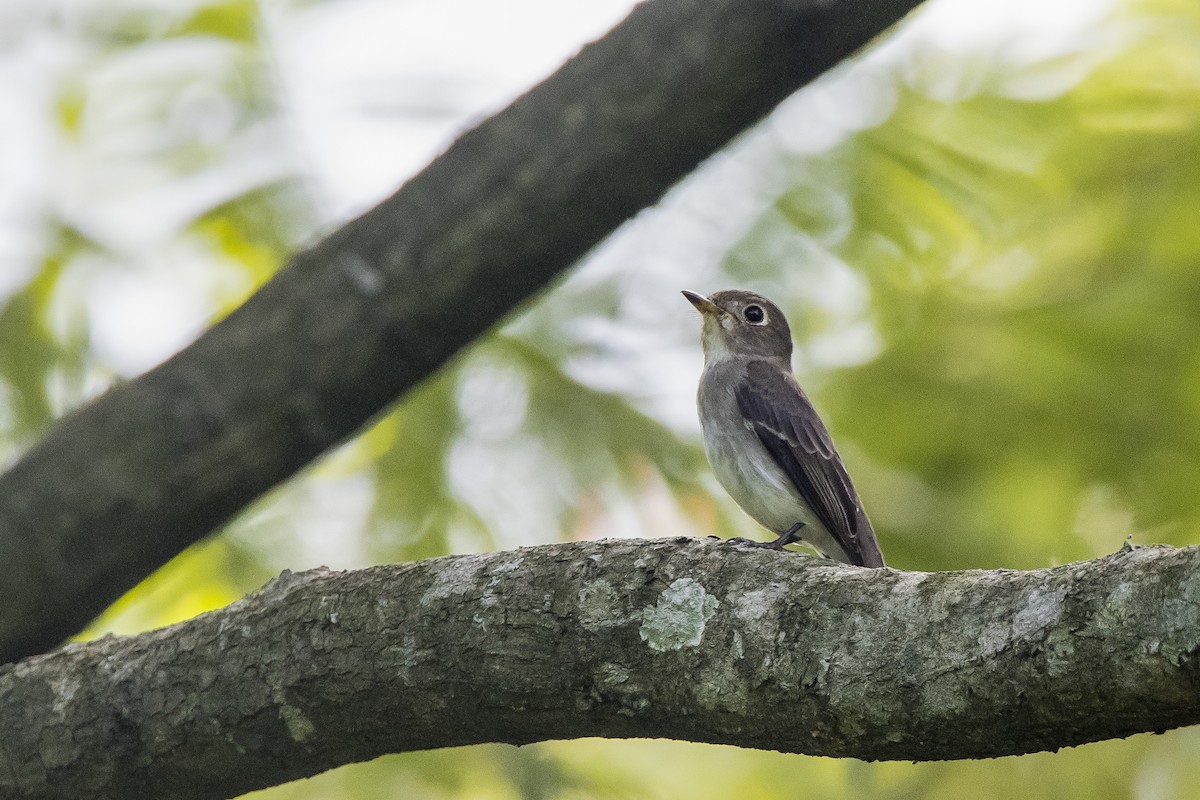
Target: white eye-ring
x=755 y=315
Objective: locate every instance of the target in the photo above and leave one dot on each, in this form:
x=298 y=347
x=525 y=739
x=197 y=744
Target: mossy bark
x=686 y=639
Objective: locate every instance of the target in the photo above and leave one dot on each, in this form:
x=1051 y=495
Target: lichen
x=752 y=606
x=329 y=605
x=64 y=687
x=1043 y=608
x=489 y=598
x=1179 y=615
x=300 y=727
x=597 y=605
x=678 y=621
x=456 y=576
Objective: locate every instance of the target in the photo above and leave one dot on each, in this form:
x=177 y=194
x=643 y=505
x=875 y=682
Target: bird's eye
x=755 y=315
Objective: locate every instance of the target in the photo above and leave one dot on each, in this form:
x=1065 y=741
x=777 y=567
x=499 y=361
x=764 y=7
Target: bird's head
x=741 y=323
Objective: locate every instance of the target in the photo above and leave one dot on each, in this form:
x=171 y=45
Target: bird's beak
x=705 y=306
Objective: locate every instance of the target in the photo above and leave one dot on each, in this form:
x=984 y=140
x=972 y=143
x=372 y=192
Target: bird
x=764 y=440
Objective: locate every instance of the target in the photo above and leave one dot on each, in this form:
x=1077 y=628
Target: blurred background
x=985 y=231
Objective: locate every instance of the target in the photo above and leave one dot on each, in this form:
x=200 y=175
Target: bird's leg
x=790 y=536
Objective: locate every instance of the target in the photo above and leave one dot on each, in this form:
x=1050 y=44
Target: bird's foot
x=741 y=540
x=790 y=536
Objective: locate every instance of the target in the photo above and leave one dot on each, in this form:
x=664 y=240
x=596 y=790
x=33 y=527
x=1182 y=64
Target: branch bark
x=685 y=639
x=126 y=483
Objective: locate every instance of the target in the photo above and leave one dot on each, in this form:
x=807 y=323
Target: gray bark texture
x=124 y=484
x=686 y=639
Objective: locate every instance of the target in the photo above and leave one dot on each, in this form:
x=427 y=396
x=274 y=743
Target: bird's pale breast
x=744 y=467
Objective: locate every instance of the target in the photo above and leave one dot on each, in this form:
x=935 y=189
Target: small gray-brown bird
x=763 y=438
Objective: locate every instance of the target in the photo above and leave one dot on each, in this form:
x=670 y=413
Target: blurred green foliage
x=996 y=302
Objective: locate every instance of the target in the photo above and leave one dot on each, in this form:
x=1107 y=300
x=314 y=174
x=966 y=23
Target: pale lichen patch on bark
x=64 y=686
x=1116 y=609
x=455 y=576
x=1179 y=622
x=678 y=620
x=757 y=612
x=489 y=598
x=752 y=606
x=907 y=582
x=1043 y=608
x=1060 y=652
x=814 y=672
x=597 y=605
x=365 y=277
x=329 y=604
x=299 y=727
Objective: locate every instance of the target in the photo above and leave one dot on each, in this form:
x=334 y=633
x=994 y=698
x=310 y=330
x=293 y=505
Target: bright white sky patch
x=378 y=87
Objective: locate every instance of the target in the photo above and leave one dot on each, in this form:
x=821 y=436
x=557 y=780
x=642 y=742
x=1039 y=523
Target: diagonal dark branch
x=121 y=486
x=686 y=639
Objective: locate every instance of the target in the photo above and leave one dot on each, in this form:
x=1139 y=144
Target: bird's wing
x=777 y=410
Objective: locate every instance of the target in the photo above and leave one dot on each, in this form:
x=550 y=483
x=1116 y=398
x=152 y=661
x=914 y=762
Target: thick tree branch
x=686 y=639
x=129 y=481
